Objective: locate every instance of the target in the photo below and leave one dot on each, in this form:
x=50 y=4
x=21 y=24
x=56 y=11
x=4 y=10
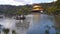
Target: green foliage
x=13 y=10
x=57 y=32
x=47 y=32
x=51 y=9
x=23 y=10
x=6 y=31
x=54 y=8
x=14 y=32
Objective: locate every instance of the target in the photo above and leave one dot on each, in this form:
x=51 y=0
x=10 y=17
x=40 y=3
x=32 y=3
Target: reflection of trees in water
x=57 y=22
x=22 y=25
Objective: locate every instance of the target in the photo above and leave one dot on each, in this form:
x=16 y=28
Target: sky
x=23 y=2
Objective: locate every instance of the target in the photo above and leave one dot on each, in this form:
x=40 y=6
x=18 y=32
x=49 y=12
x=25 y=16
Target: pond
x=45 y=24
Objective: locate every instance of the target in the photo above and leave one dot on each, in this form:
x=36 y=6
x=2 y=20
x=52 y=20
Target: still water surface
x=46 y=23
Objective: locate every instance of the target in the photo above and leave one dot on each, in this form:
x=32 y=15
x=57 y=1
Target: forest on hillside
x=50 y=8
x=26 y=9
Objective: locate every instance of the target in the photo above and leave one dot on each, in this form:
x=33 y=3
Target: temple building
x=37 y=8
